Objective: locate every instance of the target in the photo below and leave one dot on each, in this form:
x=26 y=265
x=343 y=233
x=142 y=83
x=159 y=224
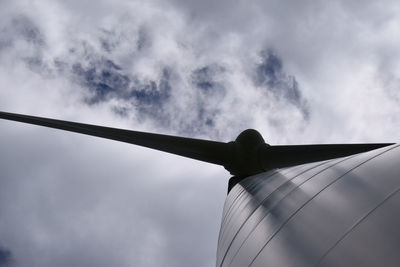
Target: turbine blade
x=245 y=156
x=204 y=150
x=284 y=156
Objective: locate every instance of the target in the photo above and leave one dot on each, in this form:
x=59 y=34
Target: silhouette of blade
x=208 y=151
x=284 y=156
x=252 y=155
x=245 y=156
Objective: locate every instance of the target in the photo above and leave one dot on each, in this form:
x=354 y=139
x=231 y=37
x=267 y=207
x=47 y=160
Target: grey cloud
x=21 y=33
x=113 y=214
x=178 y=67
x=5 y=257
x=26 y=28
x=99 y=65
x=21 y=27
x=143 y=39
x=204 y=78
x=22 y=37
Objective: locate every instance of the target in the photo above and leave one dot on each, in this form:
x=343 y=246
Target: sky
x=300 y=72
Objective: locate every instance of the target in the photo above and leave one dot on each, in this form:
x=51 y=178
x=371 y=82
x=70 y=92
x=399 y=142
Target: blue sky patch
x=5 y=257
x=270 y=75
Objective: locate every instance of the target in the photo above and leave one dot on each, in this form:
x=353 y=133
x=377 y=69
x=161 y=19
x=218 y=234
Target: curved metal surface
x=341 y=212
x=253 y=197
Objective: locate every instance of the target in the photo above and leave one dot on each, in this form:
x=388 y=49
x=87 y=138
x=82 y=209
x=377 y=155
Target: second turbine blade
x=203 y=150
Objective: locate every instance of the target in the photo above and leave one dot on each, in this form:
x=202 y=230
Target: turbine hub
x=250 y=138
x=245 y=154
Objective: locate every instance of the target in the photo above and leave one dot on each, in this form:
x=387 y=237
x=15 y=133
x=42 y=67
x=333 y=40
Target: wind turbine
x=265 y=180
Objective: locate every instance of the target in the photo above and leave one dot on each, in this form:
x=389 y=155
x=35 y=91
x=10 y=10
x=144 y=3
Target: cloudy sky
x=299 y=72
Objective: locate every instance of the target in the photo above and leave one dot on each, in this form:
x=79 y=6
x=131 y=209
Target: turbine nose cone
x=250 y=138
x=245 y=154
